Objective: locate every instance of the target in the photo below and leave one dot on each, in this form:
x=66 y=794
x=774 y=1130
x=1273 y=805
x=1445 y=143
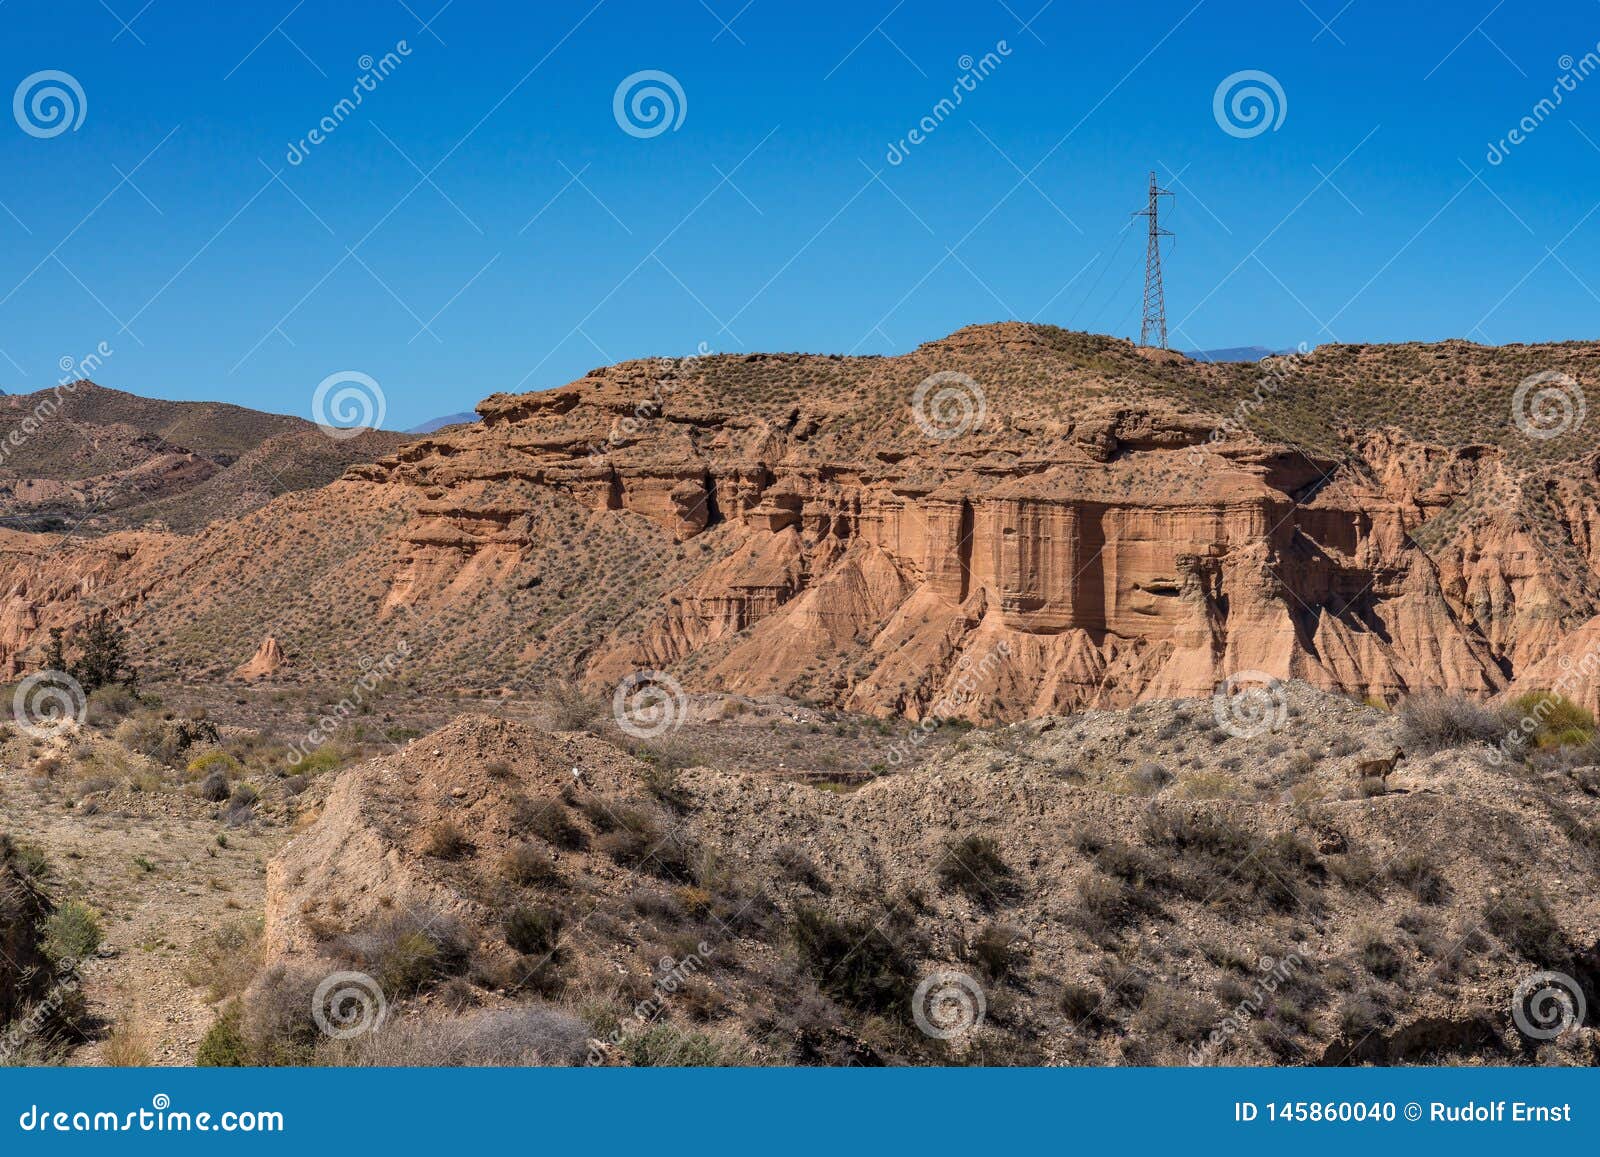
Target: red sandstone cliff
x=1119 y=526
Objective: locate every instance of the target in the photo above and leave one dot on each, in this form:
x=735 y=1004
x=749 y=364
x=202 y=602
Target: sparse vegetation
x=973 y=865
x=72 y=933
x=858 y=962
x=1435 y=721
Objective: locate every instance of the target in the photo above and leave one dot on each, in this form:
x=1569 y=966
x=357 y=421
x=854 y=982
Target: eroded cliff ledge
x=1119 y=525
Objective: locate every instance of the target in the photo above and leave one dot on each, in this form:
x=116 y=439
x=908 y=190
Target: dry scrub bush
x=1435 y=721
x=537 y=1035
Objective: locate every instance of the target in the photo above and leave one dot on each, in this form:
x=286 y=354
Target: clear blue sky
x=546 y=240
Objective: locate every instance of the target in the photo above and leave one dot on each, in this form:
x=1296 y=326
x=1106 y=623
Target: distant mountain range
x=433 y=424
x=1236 y=353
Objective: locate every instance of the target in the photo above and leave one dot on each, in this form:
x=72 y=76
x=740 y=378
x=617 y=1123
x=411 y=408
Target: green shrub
x=1558 y=721
x=214 y=760
x=71 y=932
x=224 y=1045
x=663 y=1045
x=321 y=760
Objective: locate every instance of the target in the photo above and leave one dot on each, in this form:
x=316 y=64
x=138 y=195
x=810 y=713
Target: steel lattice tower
x=1155 y=301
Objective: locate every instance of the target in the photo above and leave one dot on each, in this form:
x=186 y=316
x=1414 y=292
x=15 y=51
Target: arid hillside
x=86 y=459
x=1183 y=882
x=1010 y=522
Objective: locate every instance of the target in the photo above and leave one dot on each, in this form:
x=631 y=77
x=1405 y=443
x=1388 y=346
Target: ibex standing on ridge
x=1379 y=768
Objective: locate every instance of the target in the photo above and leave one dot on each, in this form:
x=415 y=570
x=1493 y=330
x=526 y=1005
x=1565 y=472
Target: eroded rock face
x=1108 y=532
x=1023 y=568
x=266 y=661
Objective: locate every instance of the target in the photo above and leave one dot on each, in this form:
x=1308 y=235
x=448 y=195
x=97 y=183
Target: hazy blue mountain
x=433 y=424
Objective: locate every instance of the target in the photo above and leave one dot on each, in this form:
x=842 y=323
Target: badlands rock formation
x=1064 y=521
x=266 y=661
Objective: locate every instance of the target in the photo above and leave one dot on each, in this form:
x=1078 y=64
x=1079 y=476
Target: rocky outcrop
x=1011 y=521
x=266 y=661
